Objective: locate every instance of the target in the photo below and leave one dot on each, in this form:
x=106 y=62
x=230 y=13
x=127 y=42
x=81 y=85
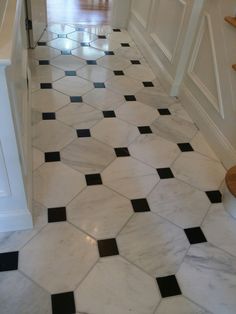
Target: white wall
x=190 y=46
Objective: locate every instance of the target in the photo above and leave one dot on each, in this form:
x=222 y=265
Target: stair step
x=231 y=20
x=230 y=180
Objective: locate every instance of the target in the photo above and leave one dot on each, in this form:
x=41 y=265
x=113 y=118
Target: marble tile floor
x=128 y=214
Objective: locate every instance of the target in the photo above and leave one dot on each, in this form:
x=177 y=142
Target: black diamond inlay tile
x=214 y=196
x=125 y=45
x=44 y=62
x=140 y=205
x=66 y=52
x=119 y=73
x=165 y=173
x=130 y=98
x=102 y=37
x=9 y=261
x=70 y=73
x=145 y=130
x=135 y=61
x=116 y=30
x=164 y=112
x=52 y=156
x=99 y=85
x=93 y=179
x=107 y=247
x=109 y=114
x=83 y=133
x=42 y=43
x=46 y=85
x=91 y=62
x=76 y=99
x=109 y=53
x=48 y=115
x=84 y=44
x=185 y=147
x=195 y=235
x=63 y=303
x=56 y=214
x=61 y=35
x=148 y=84
x=168 y=286
x=122 y=152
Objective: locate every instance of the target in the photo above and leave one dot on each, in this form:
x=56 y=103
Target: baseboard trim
x=21 y=220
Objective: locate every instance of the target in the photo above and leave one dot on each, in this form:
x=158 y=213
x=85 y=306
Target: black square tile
x=214 y=196
x=56 y=214
x=99 y=85
x=61 y=36
x=185 y=147
x=76 y=99
x=46 y=85
x=165 y=173
x=66 y=52
x=119 y=73
x=195 y=235
x=52 y=156
x=135 y=61
x=107 y=247
x=148 y=84
x=93 y=179
x=42 y=43
x=109 y=114
x=140 y=205
x=164 y=112
x=9 y=261
x=130 y=98
x=109 y=53
x=125 y=45
x=70 y=73
x=116 y=30
x=84 y=44
x=102 y=37
x=63 y=303
x=122 y=152
x=168 y=286
x=91 y=62
x=49 y=115
x=145 y=130
x=44 y=62
x=83 y=133
x=79 y=29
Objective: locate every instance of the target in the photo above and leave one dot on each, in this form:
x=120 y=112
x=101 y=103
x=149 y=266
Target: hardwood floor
x=87 y=12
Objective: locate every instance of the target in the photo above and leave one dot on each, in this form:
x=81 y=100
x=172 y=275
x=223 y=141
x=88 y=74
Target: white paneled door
x=37 y=17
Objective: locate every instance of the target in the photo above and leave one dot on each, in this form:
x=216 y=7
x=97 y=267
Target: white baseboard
x=216 y=139
x=19 y=220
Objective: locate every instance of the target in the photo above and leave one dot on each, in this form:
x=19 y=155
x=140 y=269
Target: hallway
x=127 y=202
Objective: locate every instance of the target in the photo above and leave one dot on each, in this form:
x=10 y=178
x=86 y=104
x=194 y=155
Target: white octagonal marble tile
x=99 y=29
x=199 y=171
x=140 y=72
x=121 y=37
x=113 y=63
x=60 y=135
x=44 y=53
x=68 y=62
x=46 y=74
x=56 y=184
x=73 y=86
x=201 y=146
x=218 y=219
x=60 y=29
x=79 y=115
x=103 y=99
x=174 y=129
x=129 y=53
x=95 y=73
x=178 y=110
x=137 y=113
x=19 y=295
x=99 y=211
x=48 y=100
x=130 y=177
x=208 y=277
x=115 y=286
x=114 y=132
x=124 y=85
x=105 y=44
x=63 y=44
x=47 y=36
x=87 y=155
x=59 y=257
x=82 y=37
x=38 y=158
x=88 y=53
x=179 y=202
x=153 y=244
x=154 y=96
x=154 y=150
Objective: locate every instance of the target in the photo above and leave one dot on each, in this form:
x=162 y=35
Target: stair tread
x=231 y=20
x=230 y=180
